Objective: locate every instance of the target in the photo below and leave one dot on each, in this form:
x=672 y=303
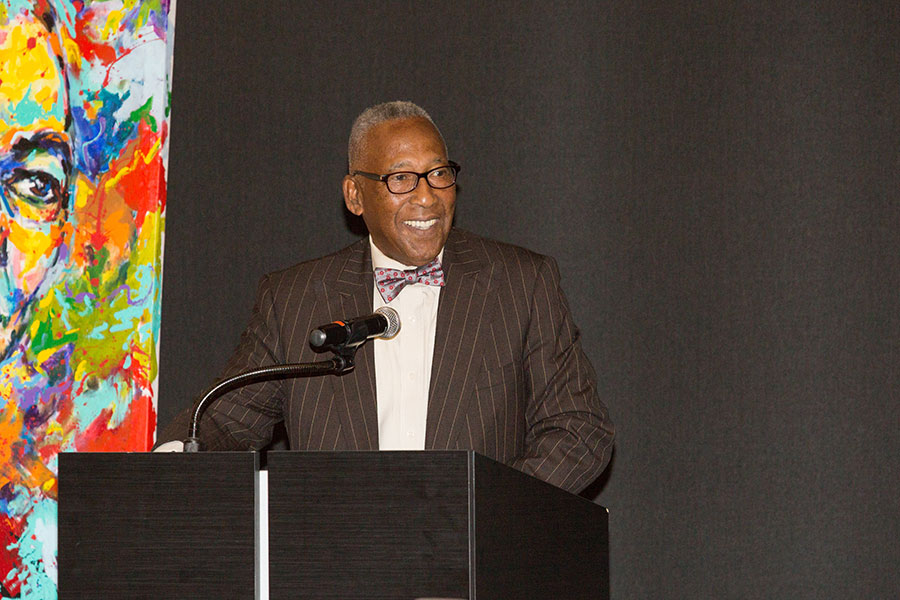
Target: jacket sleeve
x=244 y=418
x=568 y=437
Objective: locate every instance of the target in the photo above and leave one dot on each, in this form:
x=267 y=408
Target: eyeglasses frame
x=384 y=178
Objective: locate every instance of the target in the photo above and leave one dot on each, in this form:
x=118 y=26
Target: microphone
x=335 y=366
x=384 y=323
x=337 y=337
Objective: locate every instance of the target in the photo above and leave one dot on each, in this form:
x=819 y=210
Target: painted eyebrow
x=50 y=142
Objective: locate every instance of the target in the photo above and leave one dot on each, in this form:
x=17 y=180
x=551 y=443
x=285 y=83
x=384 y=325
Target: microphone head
x=317 y=338
x=393 y=320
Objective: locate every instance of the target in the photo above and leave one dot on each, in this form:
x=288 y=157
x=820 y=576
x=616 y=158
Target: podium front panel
x=157 y=525
x=534 y=541
x=368 y=525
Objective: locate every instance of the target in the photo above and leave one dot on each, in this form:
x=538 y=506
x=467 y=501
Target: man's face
x=410 y=228
x=35 y=157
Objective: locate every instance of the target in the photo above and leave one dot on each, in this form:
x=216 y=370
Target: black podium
x=341 y=525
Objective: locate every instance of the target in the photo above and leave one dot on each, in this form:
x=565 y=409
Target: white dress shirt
x=403 y=364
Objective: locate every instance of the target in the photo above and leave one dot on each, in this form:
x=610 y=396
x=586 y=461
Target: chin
x=424 y=257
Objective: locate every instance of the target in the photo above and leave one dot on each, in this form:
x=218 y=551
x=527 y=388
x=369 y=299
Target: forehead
x=32 y=91
x=402 y=142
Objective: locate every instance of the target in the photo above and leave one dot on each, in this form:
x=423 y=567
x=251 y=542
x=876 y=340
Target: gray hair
x=375 y=115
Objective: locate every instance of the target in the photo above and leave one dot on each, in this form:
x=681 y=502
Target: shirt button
x=412 y=319
x=412 y=375
x=410 y=434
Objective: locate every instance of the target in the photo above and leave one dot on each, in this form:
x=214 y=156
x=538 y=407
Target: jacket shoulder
x=501 y=253
x=353 y=257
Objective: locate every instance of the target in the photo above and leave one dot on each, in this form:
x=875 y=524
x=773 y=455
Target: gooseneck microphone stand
x=341 y=363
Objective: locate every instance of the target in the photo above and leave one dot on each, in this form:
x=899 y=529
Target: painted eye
x=35 y=187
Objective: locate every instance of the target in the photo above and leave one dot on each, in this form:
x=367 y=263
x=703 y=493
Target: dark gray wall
x=719 y=183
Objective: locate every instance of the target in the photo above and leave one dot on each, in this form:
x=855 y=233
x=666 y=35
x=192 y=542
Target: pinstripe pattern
x=509 y=378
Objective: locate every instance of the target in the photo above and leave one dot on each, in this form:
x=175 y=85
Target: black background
x=719 y=184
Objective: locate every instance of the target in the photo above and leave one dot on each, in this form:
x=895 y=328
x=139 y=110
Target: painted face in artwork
x=35 y=167
x=410 y=228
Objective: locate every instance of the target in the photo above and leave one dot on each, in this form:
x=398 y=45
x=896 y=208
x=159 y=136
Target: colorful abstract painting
x=83 y=139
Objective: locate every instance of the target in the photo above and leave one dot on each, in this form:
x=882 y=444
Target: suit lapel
x=460 y=310
x=348 y=293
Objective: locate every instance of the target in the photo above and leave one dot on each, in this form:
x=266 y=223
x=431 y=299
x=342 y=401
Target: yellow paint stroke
x=34 y=330
x=23 y=68
x=113 y=22
x=73 y=52
x=138 y=155
x=42 y=357
x=92 y=109
x=54 y=429
x=33 y=244
x=84 y=191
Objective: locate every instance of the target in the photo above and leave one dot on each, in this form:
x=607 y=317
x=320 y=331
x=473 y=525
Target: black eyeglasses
x=403 y=182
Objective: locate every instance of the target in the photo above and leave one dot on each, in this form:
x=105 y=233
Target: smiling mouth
x=422 y=225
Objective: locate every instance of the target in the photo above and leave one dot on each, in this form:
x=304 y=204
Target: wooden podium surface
x=438 y=524
x=141 y=525
x=342 y=525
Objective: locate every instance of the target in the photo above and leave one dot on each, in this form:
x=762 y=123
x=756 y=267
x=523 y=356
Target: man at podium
x=487 y=357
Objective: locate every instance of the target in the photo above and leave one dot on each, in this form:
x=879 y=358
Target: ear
x=352 y=195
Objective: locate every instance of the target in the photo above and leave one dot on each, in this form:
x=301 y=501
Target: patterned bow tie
x=391 y=281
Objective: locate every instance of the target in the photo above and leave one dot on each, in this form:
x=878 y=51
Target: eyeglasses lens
x=442 y=177
x=439 y=178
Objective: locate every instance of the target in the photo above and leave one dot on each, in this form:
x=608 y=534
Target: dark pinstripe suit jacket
x=509 y=377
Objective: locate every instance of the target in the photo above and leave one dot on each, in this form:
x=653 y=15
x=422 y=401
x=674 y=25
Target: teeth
x=421 y=224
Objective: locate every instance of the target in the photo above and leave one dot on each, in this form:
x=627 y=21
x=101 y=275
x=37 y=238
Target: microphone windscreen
x=393 y=319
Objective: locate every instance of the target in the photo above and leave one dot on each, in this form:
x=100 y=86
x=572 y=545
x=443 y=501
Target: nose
x=423 y=193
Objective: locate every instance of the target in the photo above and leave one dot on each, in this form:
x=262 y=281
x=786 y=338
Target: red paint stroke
x=141 y=189
x=48 y=452
x=135 y=432
x=90 y=49
x=136 y=373
x=64 y=412
x=10 y=562
x=142 y=183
